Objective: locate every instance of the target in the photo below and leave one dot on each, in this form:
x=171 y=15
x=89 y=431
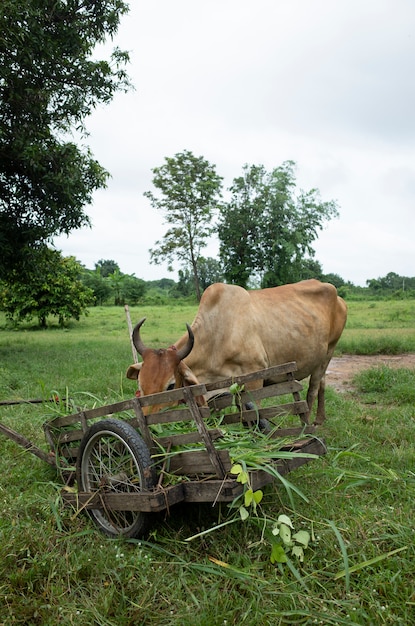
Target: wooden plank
x=197 y=462
x=174 y=395
x=145 y=501
x=277 y=389
x=265 y=374
x=101 y=411
x=212 y=490
x=175 y=415
x=186 y=438
x=304 y=416
x=269 y=391
x=142 y=424
x=279 y=410
x=204 y=433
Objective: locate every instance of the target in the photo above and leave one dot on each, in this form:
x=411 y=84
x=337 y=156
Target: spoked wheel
x=113 y=458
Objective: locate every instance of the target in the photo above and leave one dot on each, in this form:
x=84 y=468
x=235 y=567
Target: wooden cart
x=131 y=466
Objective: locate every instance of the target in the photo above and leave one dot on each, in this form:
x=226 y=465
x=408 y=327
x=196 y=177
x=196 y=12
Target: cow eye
x=170 y=387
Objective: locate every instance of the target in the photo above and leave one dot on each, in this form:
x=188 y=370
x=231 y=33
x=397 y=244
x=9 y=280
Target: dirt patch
x=342 y=369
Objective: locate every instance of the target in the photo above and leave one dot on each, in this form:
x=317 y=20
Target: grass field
x=56 y=568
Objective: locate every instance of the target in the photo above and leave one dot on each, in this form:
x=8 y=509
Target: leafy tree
x=189 y=192
x=239 y=226
x=210 y=271
x=392 y=282
x=55 y=288
x=268 y=229
x=49 y=84
x=106 y=267
x=133 y=289
x=116 y=281
x=99 y=285
x=334 y=279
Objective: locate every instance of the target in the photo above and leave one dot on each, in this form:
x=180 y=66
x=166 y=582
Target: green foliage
x=99 y=286
x=105 y=267
x=54 y=289
x=390 y=283
x=109 y=285
x=189 y=191
x=393 y=384
x=267 y=229
x=209 y=272
x=49 y=84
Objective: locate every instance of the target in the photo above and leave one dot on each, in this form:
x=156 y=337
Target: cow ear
x=133 y=371
x=187 y=375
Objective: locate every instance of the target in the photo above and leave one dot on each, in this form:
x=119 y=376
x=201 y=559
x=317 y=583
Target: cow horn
x=138 y=344
x=186 y=350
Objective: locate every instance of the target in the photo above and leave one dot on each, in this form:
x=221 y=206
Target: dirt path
x=342 y=369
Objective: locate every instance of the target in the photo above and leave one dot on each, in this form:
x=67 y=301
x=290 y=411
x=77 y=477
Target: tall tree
x=267 y=229
x=189 y=190
x=49 y=84
x=106 y=267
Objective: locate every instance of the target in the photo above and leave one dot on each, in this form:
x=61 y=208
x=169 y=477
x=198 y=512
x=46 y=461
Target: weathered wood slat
x=252 y=415
x=265 y=374
x=197 y=462
x=186 y=438
x=277 y=389
x=175 y=415
x=101 y=411
x=174 y=395
x=145 y=501
x=214 y=456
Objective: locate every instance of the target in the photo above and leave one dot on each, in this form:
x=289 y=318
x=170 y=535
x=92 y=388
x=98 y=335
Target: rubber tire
x=132 y=458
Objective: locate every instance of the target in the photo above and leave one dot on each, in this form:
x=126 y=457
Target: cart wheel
x=112 y=456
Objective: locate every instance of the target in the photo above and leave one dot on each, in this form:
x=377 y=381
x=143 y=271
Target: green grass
x=55 y=568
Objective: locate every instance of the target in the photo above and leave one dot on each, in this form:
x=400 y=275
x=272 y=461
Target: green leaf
x=298 y=552
x=302 y=537
x=284 y=519
x=243 y=513
x=258 y=495
x=285 y=534
x=278 y=554
x=243 y=477
x=236 y=469
x=249 y=496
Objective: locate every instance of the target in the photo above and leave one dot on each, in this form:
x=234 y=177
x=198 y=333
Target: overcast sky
x=328 y=84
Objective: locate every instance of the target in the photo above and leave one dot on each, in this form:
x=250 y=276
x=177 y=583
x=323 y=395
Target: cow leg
x=316 y=389
x=321 y=403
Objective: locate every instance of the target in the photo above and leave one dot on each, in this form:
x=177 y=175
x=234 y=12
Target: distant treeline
x=111 y=287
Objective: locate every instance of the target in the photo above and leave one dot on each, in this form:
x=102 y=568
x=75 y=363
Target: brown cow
x=236 y=332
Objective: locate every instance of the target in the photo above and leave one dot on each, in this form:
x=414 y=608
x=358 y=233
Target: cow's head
x=162 y=369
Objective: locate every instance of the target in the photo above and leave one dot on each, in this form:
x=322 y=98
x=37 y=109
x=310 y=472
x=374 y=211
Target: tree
x=267 y=230
x=49 y=84
x=239 y=226
x=98 y=284
x=55 y=288
x=209 y=271
x=106 y=267
x=133 y=289
x=190 y=190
